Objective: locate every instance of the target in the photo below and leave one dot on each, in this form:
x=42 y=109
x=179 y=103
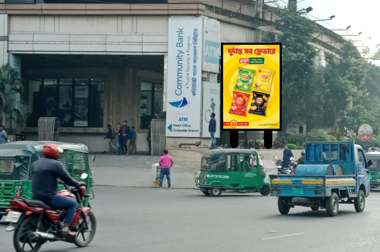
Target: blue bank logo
x=179 y=104
x=170 y=127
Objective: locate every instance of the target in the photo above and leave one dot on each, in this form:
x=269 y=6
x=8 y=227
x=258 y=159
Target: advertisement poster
x=81 y=106
x=66 y=105
x=251 y=86
x=184 y=78
x=211 y=104
x=211 y=53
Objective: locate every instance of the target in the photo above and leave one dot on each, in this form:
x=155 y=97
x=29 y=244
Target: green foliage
x=373 y=142
x=11 y=91
x=318 y=135
x=294 y=147
x=296 y=139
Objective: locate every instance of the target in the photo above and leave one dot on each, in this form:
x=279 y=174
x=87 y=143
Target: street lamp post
x=331 y=17
x=348 y=27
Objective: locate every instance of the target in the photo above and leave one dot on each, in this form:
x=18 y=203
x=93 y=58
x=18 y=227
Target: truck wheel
x=314 y=208
x=332 y=204
x=215 y=192
x=282 y=207
x=359 y=202
x=265 y=190
x=205 y=192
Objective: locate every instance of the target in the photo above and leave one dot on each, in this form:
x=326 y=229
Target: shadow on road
x=309 y=214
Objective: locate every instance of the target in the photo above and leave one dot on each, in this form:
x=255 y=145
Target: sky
x=362 y=16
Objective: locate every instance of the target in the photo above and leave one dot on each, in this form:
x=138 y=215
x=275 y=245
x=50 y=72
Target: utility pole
x=258 y=16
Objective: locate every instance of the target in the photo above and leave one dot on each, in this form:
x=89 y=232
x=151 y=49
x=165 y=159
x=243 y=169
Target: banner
x=211 y=104
x=184 y=78
x=81 y=106
x=211 y=53
x=251 y=86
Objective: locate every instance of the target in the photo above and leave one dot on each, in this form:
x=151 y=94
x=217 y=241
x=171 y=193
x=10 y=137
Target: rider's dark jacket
x=45 y=173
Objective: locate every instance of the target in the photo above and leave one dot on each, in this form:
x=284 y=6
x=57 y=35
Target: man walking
x=166 y=162
x=132 y=142
x=212 y=130
x=117 y=134
x=3 y=135
x=123 y=138
x=286 y=157
x=108 y=139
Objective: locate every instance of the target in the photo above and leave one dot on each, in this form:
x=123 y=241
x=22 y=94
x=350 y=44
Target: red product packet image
x=239 y=103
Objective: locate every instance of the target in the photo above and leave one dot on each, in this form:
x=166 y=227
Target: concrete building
x=93 y=64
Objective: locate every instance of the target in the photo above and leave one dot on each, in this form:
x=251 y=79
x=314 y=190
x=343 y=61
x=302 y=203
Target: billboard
x=211 y=104
x=211 y=49
x=184 y=78
x=251 y=86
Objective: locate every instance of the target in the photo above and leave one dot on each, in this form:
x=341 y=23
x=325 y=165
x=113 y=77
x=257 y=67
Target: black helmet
x=303 y=153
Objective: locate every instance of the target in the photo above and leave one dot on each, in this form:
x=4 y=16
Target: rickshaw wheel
x=215 y=192
x=265 y=190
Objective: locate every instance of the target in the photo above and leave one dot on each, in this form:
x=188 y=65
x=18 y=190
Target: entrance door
x=249 y=173
x=233 y=169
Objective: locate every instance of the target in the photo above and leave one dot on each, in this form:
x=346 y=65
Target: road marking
x=281 y=236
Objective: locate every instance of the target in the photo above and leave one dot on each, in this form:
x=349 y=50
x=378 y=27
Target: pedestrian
x=117 y=134
x=149 y=140
x=286 y=157
x=212 y=130
x=301 y=160
x=3 y=135
x=123 y=138
x=108 y=138
x=132 y=142
x=166 y=162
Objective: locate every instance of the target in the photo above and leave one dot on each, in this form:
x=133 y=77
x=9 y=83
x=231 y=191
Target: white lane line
x=281 y=236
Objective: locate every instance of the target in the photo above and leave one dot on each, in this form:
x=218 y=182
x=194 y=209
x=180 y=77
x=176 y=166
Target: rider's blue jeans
x=70 y=205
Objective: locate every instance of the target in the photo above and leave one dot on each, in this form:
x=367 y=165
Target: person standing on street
x=286 y=157
x=3 y=135
x=149 y=140
x=166 y=162
x=132 y=141
x=125 y=132
x=117 y=134
x=108 y=139
x=212 y=130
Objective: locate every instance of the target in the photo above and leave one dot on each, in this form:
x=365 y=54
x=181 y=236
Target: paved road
x=150 y=220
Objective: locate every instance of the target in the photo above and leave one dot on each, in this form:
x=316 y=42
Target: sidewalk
x=136 y=170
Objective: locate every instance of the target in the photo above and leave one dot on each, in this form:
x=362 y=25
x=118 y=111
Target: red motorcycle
x=35 y=223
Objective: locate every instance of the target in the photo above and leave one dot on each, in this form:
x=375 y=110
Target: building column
x=3 y=51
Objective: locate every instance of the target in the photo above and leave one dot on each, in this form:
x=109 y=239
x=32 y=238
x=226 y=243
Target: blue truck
x=332 y=173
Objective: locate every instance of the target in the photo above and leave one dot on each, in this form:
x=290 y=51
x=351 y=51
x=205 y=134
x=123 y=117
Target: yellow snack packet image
x=264 y=80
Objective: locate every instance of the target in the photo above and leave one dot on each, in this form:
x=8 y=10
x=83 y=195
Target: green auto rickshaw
x=232 y=169
x=16 y=159
x=374 y=169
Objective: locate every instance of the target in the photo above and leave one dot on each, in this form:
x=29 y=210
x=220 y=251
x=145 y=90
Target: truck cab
x=332 y=173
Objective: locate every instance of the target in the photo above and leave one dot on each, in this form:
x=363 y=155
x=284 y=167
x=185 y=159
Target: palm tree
x=11 y=90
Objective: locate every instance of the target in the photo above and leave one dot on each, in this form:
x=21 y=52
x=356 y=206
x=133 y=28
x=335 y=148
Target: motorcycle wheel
x=81 y=240
x=22 y=237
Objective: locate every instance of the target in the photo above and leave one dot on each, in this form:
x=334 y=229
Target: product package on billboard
x=259 y=103
x=264 y=80
x=244 y=80
x=239 y=103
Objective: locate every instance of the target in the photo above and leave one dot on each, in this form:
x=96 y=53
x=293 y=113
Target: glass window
x=34 y=101
x=361 y=158
x=151 y=103
x=375 y=164
x=76 y=102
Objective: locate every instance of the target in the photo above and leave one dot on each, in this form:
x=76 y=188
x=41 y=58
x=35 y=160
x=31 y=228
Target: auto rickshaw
x=16 y=159
x=232 y=169
x=374 y=169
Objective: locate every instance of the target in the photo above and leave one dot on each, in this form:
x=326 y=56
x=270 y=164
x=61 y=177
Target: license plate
x=13 y=217
x=297 y=190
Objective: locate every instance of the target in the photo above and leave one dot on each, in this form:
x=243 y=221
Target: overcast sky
x=363 y=16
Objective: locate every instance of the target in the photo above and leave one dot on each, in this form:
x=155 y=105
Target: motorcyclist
x=286 y=157
x=301 y=159
x=45 y=173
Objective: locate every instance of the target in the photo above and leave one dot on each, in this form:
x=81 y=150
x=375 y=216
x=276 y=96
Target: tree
x=11 y=91
x=297 y=62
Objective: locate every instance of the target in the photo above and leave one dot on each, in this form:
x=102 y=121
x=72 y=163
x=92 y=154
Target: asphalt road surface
x=150 y=220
